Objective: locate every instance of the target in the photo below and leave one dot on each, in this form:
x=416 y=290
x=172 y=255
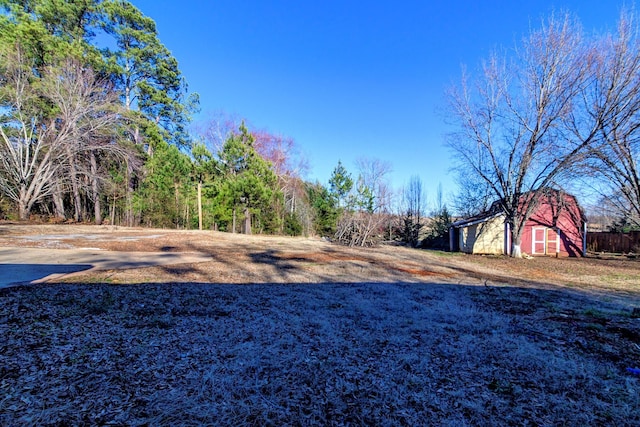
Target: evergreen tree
x=325 y=207
x=340 y=184
x=163 y=199
x=249 y=184
x=204 y=169
x=412 y=212
x=48 y=33
x=438 y=237
x=49 y=30
x=146 y=73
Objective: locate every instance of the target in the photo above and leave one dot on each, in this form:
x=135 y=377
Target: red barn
x=556 y=228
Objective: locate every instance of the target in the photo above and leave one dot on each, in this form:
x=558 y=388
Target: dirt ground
x=273 y=259
x=299 y=331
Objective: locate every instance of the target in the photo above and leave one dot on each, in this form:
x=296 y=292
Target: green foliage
x=292 y=225
x=623 y=224
x=340 y=183
x=205 y=171
x=145 y=71
x=6 y=209
x=49 y=31
x=46 y=33
x=164 y=195
x=203 y=162
x=271 y=219
x=438 y=237
x=156 y=182
x=364 y=199
x=413 y=201
x=249 y=184
x=410 y=230
x=325 y=208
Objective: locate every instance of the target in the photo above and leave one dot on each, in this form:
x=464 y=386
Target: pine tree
x=146 y=73
x=340 y=184
x=249 y=183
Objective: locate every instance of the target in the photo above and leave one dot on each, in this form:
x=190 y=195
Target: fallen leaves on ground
x=321 y=354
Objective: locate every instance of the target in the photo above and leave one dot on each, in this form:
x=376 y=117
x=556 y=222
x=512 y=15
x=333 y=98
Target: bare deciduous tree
x=288 y=165
x=613 y=162
x=413 y=207
x=216 y=129
x=48 y=126
x=369 y=203
x=529 y=119
x=474 y=195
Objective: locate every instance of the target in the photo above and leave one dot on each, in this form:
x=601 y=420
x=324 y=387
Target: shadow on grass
x=389 y=353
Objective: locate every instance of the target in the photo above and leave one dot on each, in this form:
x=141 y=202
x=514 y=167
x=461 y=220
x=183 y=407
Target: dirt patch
x=235 y=258
x=324 y=258
x=271 y=259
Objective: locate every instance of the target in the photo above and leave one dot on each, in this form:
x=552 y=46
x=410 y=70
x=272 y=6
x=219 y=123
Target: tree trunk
x=176 y=193
x=97 y=208
x=200 y=206
x=233 y=229
x=516 y=252
x=247 y=221
x=128 y=215
x=128 y=209
x=75 y=188
x=516 y=238
x=187 y=212
x=58 y=201
x=23 y=207
x=113 y=212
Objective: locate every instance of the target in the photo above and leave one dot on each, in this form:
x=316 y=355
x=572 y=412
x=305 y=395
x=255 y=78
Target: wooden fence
x=614 y=242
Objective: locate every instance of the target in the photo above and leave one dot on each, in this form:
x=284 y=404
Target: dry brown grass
x=384 y=336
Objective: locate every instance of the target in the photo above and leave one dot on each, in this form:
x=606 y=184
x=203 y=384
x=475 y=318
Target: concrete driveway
x=39 y=265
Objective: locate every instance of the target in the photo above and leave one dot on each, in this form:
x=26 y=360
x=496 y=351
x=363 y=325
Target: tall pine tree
x=249 y=184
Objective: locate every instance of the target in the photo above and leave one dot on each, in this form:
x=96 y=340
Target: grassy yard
x=466 y=346
x=321 y=354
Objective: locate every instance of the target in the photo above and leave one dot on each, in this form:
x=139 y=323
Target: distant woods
x=90 y=99
x=96 y=126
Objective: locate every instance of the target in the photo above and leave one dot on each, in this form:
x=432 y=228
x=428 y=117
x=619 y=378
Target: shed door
x=553 y=241
x=538 y=240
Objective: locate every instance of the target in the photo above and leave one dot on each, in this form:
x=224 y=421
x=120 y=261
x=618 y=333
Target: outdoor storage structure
x=557 y=227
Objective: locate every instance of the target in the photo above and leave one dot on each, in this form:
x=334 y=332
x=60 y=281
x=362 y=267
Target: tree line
x=82 y=122
x=95 y=117
x=95 y=126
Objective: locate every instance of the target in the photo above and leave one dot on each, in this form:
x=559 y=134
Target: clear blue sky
x=347 y=79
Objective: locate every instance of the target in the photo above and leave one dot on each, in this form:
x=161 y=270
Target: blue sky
x=349 y=79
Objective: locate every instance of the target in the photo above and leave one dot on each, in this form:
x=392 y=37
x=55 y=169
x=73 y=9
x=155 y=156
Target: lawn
x=436 y=340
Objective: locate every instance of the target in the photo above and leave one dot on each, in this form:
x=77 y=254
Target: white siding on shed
x=485 y=237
